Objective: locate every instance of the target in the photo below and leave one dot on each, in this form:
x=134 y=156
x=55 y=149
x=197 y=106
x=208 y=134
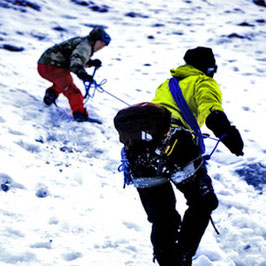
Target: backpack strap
x=185 y=110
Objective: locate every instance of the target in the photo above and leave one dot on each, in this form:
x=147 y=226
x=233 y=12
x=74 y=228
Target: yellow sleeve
x=208 y=97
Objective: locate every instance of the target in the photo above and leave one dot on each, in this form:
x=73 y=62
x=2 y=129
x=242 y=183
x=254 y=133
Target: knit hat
x=203 y=59
x=98 y=33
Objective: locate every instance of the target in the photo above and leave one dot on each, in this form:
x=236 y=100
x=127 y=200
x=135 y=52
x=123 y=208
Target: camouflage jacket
x=72 y=54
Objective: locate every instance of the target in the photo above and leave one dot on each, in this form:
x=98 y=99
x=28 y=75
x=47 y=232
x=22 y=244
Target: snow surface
x=62 y=201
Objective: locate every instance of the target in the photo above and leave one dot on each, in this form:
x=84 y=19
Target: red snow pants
x=63 y=83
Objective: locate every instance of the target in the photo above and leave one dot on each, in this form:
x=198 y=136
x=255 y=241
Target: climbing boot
x=184 y=256
x=50 y=96
x=83 y=117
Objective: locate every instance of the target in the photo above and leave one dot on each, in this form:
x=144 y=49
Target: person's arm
x=218 y=122
x=78 y=59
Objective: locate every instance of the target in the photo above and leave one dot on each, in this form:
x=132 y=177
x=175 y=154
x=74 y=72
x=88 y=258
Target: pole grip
x=87 y=87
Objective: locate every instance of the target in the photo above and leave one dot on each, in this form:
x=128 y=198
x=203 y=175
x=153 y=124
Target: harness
x=178 y=174
x=161 y=155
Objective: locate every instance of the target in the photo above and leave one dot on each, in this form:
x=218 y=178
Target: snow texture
x=61 y=197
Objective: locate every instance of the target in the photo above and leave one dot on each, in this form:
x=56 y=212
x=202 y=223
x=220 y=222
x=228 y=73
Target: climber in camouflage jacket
x=72 y=55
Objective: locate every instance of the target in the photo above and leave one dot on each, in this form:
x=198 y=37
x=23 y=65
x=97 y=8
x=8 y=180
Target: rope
x=185 y=110
x=98 y=87
x=173 y=84
x=208 y=156
x=124 y=166
x=87 y=86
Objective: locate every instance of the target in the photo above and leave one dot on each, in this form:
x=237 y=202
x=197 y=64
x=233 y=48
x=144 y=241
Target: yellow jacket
x=201 y=93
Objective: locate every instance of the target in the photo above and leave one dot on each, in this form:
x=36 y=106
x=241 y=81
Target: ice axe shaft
x=87 y=87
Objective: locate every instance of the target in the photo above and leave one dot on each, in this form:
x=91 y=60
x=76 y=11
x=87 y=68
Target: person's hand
x=95 y=63
x=85 y=77
x=217 y=122
x=233 y=141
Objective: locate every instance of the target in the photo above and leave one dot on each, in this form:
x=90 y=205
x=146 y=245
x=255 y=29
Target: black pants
x=168 y=231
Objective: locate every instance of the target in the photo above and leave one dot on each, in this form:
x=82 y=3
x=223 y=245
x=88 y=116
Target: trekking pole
x=87 y=86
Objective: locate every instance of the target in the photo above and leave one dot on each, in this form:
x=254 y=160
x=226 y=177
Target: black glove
x=233 y=141
x=83 y=75
x=95 y=63
x=217 y=122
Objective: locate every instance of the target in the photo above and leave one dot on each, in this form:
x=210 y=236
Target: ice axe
x=87 y=84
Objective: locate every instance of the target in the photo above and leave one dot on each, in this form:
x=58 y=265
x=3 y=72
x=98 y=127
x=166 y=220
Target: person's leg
x=50 y=73
x=201 y=200
x=63 y=83
x=75 y=99
x=159 y=204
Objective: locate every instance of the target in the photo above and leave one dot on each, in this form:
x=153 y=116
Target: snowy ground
x=61 y=197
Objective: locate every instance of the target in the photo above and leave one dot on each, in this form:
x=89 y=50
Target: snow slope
x=61 y=197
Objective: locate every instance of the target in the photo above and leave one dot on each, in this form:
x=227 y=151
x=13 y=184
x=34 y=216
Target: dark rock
x=235 y=35
x=42 y=193
x=157 y=25
x=259 y=2
x=20 y=3
x=260 y=20
x=81 y=3
x=12 y=48
x=38 y=35
x=66 y=149
x=91 y=5
x=90 y=25
x=40 y=140
x=178 y=33
x=58 y=28
x=101 y=9
x=135 y=15
x=245 y=24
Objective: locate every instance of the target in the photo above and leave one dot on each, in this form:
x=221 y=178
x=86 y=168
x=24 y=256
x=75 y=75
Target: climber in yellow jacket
x=175 y=240
x=201 y=92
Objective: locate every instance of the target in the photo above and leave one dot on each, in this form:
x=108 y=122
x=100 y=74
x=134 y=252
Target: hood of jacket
x=185 y=71
x=201 y=93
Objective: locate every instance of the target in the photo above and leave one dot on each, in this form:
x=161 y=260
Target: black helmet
x=203 y=59
x=98 y=33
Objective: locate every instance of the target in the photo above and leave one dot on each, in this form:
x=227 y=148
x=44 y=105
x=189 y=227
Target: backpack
x=142 y=125
x=152 y=146
x=142 y=128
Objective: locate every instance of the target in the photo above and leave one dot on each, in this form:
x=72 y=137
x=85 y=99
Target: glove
x=83 y=75
x=217 y=122
x=95 y=63
x=233 y=141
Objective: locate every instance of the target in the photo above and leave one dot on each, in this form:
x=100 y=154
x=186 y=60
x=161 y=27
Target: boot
x=185 y=256
x=186 y=259
x=80 y=117
x=50 y=96
x=169 y=257
x=83 y=117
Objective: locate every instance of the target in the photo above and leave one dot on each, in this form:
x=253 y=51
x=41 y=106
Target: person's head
x=98 y=45
x=99 y=38
x=203 y=59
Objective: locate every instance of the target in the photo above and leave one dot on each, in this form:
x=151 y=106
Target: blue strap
x=124 y=166
x=185 y=110
x=208 y=156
